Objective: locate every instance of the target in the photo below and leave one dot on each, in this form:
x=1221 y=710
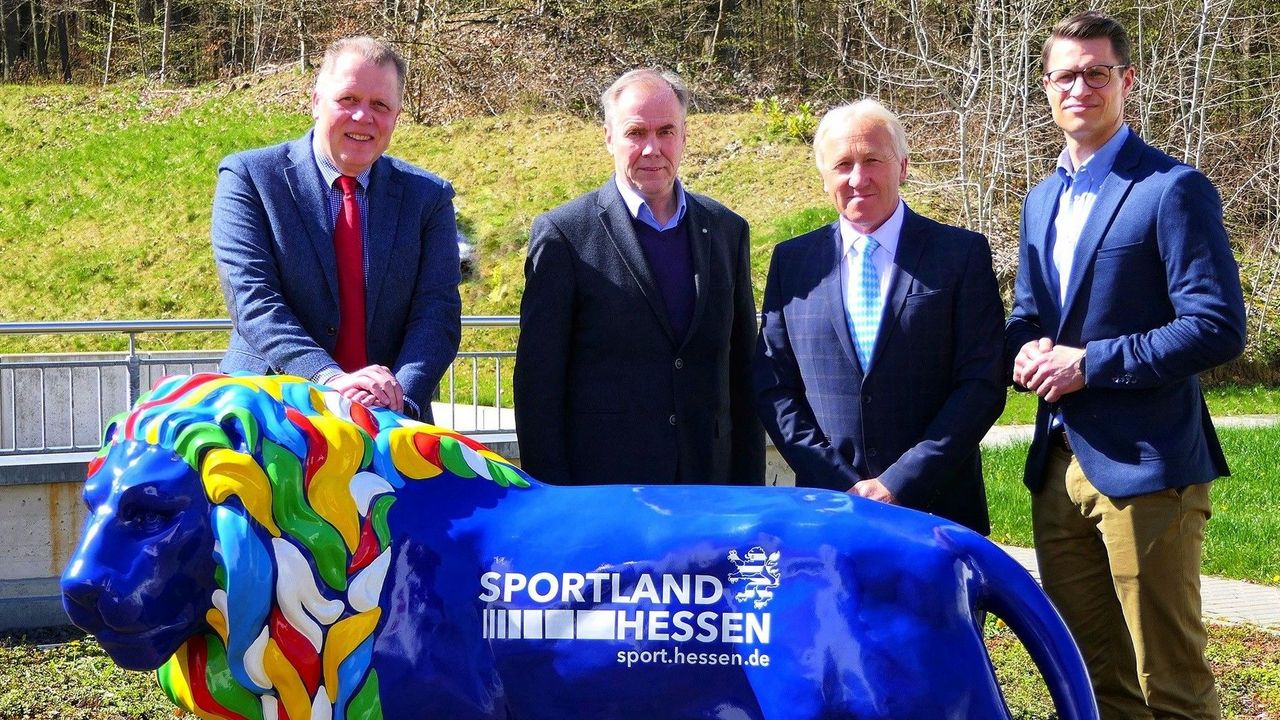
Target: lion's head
x=238 y=528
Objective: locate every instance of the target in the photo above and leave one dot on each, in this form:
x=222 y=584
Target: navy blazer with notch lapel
x=273 y=244
x=1155 y=299
x=604 y=391
x=934 y=386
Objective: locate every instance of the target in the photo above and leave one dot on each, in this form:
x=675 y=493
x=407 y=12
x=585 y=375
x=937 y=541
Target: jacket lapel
x=1041 y=212
x=826 y=257
x=701 y=235
x=1114 y=189
x=385 y=192
x=902 y=271
x=616 y=221
x=309 y=194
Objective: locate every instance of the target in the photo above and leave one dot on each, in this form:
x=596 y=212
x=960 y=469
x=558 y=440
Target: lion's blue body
x=655 y=602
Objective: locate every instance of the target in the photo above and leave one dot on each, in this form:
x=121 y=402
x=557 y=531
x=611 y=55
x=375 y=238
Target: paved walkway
x=1231 y=602
x=1224 y=601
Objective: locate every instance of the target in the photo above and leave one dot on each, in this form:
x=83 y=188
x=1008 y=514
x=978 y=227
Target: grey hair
x=652 y=76
x=865 y=108
x=378 y=52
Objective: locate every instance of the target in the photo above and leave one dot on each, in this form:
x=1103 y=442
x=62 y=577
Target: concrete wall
x=41 y=514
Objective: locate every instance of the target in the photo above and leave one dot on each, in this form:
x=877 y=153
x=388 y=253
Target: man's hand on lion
x=373 y=385
x=873 y=489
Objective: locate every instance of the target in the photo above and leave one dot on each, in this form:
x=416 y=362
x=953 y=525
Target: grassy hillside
x=107 y=194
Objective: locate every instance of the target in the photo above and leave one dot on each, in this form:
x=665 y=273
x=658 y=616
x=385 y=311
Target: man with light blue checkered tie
x=878 y=366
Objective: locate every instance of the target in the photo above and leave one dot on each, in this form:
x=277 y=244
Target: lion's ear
x=241 y=428
x=113 y=426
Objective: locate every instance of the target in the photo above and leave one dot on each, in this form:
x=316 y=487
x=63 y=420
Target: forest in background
x=964 y=76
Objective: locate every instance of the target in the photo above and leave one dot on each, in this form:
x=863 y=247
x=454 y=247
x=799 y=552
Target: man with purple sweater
x=638 y=323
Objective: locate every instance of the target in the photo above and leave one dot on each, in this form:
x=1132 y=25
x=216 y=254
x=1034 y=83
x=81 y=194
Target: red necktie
x=348 y=248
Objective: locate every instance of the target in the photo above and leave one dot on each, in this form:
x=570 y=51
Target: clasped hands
x=374 y=385
x=1048 y=370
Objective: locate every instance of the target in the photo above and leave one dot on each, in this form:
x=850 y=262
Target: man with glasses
x=1126 y=290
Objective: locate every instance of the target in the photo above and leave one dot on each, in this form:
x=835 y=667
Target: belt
x=1058 y=439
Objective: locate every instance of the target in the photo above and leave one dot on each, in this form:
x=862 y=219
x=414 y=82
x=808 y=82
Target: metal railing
x=61 y=403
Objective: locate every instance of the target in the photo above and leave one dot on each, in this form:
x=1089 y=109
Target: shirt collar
x=886 y=235
x=1097 y=165
x=330 y=172
x=639 y=209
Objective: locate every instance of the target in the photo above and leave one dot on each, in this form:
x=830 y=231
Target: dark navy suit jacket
x=934 y=388
x=604 y=390
x=273 y=243
x=1154 y=299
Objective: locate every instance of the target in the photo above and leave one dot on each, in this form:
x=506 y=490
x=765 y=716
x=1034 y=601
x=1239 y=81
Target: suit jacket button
x=871 y=452
x=331 y=331
x=866 y=399
x=672 y=419
x=679 y=363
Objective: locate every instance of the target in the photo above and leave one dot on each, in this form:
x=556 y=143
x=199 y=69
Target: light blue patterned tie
x=864 y=312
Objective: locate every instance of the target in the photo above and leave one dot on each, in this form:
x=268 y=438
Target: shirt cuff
x=326 y=375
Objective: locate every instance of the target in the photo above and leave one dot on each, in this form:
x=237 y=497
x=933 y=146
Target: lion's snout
x=80 y=598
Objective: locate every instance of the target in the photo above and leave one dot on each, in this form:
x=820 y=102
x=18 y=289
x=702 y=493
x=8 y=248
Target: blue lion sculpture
x=279 y=552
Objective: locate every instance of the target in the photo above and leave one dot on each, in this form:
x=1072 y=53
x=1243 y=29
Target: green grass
x=1243 y=537
x=1246 y=668
x=77 y=681
x=1223 y=400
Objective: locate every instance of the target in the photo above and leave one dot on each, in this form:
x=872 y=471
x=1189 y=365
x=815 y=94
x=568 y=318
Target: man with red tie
x=340 y=264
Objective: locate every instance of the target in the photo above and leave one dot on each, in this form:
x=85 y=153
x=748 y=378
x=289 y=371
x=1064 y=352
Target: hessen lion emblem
x=759 y=570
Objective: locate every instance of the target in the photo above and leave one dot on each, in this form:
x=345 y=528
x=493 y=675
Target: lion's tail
x=1005 y=589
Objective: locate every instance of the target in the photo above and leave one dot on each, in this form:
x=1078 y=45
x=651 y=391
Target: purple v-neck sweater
x=671 y=260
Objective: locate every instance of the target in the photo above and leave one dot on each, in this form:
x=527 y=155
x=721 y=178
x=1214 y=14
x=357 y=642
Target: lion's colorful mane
x=300 y=482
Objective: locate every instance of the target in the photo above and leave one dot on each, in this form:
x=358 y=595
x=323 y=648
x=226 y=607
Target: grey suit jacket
x=604 y=391
x=273 y=244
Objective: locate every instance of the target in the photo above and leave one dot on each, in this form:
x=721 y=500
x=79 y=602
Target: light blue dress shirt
x=1080 y=188
x=639 y=209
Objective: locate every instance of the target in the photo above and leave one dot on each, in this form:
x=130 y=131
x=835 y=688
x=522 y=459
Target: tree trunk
x=142 y=38
x=64 y=46
x=164 y=39
x=4 y=39
x=304 y=53
x=111 y=31
x=37 y=51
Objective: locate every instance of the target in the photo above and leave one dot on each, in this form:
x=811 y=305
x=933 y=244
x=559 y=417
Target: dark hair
x=378 y=52
x=1088 y=25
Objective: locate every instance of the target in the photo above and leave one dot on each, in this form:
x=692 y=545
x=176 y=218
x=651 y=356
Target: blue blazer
x=605 y=392
x=273 y=243
x=934 y=387
x=1154 y=299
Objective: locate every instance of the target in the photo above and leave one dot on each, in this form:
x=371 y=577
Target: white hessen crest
x=760 y=573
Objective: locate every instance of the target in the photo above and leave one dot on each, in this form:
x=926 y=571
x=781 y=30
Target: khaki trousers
x=1125 y=575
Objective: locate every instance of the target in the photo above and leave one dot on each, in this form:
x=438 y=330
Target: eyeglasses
x=1095 y=76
